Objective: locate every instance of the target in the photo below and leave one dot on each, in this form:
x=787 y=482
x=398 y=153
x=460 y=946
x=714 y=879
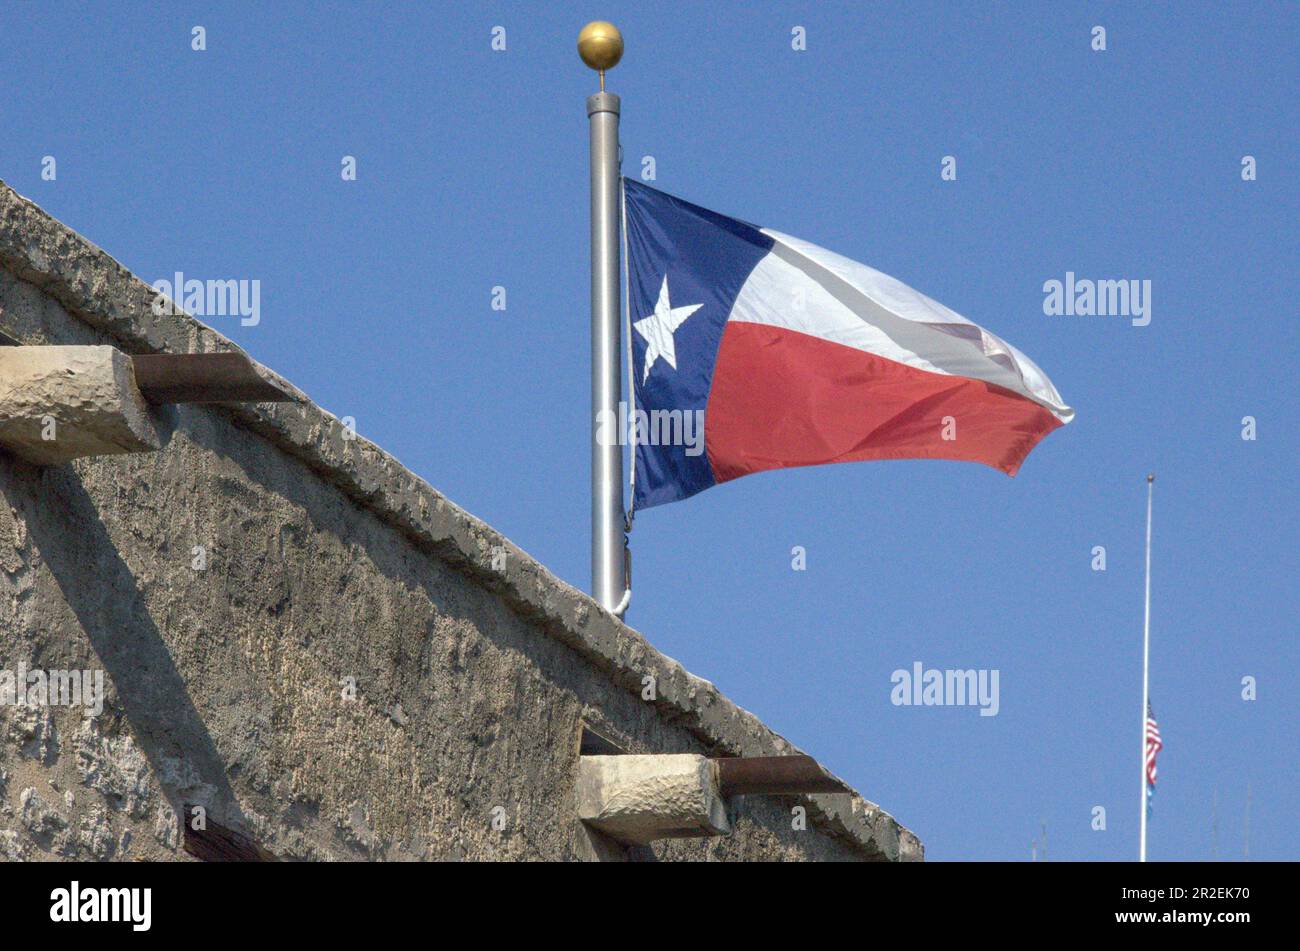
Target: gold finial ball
x=600 y=45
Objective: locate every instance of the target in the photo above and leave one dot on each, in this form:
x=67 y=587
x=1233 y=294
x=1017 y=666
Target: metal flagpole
x=601 y=46
x=1146 y=668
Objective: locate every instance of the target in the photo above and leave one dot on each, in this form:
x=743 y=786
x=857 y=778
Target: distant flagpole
x=601 y=46
x=1146 y=670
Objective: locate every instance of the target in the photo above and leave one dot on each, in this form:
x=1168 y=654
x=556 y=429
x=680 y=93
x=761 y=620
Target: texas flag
x=790 y=355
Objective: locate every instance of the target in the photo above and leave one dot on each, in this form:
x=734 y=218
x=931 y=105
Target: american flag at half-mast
x=1153 y=746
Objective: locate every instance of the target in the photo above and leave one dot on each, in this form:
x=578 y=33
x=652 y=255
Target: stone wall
x=324 y=564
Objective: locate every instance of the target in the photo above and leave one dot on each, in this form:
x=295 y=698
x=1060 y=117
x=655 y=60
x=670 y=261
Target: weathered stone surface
x=114 y=767
x=642 y=798
x=31 y=732
x=62 y=403
x=352 y=675
x=39 y=818
x=95 y=840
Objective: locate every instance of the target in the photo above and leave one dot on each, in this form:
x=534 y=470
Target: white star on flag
x=658 y=330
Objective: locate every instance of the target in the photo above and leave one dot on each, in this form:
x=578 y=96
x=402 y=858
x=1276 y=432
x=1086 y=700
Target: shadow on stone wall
x=97 y=584
x=415 y=567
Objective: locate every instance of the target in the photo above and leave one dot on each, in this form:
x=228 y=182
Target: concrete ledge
x=97 y=290
x=63 y=403
x=638 y=799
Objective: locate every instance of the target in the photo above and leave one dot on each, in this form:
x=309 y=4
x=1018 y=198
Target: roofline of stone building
x=96 y=289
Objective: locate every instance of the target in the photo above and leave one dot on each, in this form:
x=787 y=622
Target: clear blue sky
x=472 y=172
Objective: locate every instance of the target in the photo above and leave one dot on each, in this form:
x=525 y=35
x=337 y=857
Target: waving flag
x=785 y=354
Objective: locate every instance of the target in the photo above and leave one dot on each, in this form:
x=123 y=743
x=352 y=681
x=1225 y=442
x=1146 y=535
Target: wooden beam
x=203 y=378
